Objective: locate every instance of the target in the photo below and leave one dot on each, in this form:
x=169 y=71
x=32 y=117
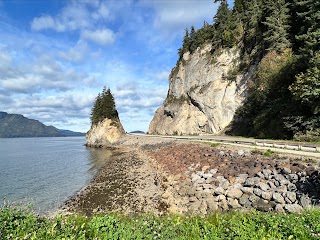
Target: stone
x=233 y=203
x=284 y=182
x=207 y=186
x=271 y=185
x=241 y=179
x=212 y=204
x=219 y=191
x=292 y=187
x=203 y=207
x=278 y=198
x=234 y=193
x=260 y=175
x=293 y=208
x=250 y=182
x=267 y=173
x=244 y=201
x=254 y=199
x=220 y=178
x=291 y=196
x=263 y=186
x=294 y=177
x=264 y=205
x=305 y=201
x=266 y=195
x=231 y=180
x=195 y=177
x=280 y=208
x=279 y=177
x=275 y=182
x=224 y=184
x=200 y=181
x=286 y=170
x=281 y=189
x=193 y=199
x=207 y=175
x=257 y=192
x=194 y=206
x=213 y=171
x=240 y=152
x=224 y=204
x=221 y=153
x=248 y=190
x=221 y=198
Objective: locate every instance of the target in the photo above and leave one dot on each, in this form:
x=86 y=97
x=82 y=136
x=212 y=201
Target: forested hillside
x=16 y=125
x=281 y=38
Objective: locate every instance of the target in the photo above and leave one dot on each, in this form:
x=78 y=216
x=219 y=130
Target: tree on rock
x=104 y=107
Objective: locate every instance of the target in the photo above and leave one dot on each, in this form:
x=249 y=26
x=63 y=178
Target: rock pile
x=288 y=188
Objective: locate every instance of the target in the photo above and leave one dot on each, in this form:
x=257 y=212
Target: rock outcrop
x=200 y=98
x=105 y=133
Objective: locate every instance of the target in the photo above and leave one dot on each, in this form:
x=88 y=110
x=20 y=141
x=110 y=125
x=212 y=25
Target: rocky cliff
x=105 y=133
x=201 y=98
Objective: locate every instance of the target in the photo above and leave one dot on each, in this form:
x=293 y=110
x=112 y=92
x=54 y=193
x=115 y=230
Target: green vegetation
x=16 y=125
x=17 y=223
x=268 y=153
x=171 y=99
x=104 y=107
x=282 y=39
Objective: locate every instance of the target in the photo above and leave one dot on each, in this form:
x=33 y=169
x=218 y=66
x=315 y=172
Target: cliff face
x=200 y=99
x=105 y=133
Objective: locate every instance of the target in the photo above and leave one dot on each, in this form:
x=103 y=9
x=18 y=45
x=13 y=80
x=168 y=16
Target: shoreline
x=162 y=176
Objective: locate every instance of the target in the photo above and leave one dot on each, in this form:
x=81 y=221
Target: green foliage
x=308 y=136
x=268 y=153
x=307 y=86
x=171 y=99
x=20 y=224
x=104 y=107
x=277 y=22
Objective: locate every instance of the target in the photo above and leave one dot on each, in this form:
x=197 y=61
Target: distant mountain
x=16 y=125
x=140 y=132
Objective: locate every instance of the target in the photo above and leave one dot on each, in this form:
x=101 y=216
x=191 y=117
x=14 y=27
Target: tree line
x=281 y=37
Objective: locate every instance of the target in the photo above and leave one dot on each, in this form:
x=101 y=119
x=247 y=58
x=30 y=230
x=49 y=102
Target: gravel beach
x=157 y=175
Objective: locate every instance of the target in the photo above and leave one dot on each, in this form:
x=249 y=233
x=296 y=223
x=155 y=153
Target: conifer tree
x=104 y=107
x=277 y=22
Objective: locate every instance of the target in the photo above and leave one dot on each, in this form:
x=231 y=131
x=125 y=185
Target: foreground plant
x=21 y=223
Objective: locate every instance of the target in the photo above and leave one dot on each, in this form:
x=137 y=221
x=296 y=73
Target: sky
x=56 y=56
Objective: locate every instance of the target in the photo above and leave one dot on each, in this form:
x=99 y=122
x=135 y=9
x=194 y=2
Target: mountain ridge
x=17 y=125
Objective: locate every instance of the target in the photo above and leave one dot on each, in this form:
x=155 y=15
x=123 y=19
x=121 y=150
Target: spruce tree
x=277 y=22
x=104 y=107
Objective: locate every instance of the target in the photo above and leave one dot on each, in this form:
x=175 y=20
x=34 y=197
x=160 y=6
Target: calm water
x=46 y=171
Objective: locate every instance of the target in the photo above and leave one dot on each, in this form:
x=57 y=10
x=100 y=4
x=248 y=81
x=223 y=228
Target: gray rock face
x=200 y=99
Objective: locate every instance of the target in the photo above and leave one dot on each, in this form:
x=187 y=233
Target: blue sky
x=56 y=56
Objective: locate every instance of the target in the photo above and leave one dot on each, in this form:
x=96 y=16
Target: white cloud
x=41 y=23
x=101 y=36
x=172 y=17
x=76 y=53
x=5 y=61
x=76 y=15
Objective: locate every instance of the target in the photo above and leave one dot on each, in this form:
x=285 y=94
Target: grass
x=211 y=144
x=21 y=223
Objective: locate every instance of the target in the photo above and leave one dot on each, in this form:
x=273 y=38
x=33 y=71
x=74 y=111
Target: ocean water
x=46 y=171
